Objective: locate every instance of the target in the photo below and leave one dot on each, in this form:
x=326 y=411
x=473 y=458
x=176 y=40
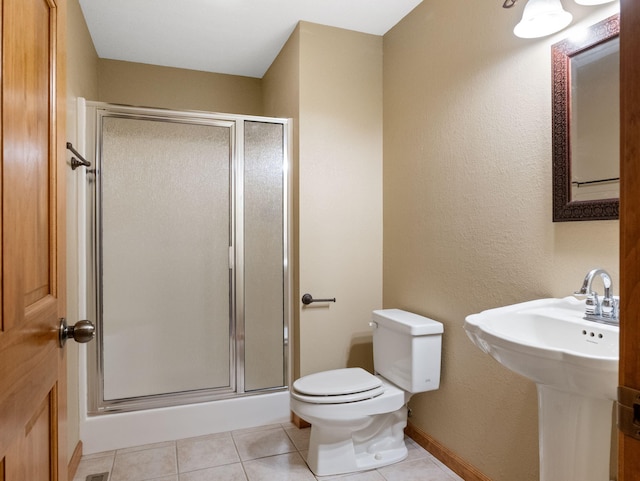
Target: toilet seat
x=337 y=386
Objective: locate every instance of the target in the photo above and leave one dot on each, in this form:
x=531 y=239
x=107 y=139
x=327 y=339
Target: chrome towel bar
x=77 y=162
x=308 y=299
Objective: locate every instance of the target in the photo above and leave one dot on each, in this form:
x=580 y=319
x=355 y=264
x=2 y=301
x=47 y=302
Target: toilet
x=357 y=418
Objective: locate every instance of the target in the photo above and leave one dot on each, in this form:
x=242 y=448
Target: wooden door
x=629 y=448
x=32 y=366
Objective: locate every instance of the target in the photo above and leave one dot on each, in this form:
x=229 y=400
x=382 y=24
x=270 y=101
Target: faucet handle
x=609 y=308
x=593 y=304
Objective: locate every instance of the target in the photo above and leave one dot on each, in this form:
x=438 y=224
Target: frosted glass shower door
x=264 y=249
x=165 y=236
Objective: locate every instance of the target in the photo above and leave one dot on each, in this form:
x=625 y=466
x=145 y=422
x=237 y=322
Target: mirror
x=586 y=124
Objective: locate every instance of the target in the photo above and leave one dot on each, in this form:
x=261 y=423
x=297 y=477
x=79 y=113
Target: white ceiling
x=238 y=37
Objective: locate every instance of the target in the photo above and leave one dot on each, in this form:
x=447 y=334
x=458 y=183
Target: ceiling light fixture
x=541 y=18
x=592 y=2
x=544 y=17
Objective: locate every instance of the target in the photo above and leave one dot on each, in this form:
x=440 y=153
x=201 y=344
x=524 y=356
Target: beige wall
x=281 y=82
x=340 y=194
x=172 y=88
x=467 y=211
x=281 y=98
x=330 y=81
x=82 y=81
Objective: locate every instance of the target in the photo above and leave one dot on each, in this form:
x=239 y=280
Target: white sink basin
x=574 y=363
x=548 y=342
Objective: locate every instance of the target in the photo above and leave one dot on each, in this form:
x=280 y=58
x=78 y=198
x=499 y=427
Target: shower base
x=120 y=430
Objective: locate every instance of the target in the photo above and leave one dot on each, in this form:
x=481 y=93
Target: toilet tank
x=407 y=349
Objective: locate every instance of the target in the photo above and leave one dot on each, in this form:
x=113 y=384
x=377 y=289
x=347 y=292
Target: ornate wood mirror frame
x=564 y=209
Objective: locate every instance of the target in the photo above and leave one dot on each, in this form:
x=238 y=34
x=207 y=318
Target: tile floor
x=268 y=453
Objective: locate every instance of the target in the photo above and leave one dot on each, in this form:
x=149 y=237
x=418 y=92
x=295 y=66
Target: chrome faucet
x=605 y=311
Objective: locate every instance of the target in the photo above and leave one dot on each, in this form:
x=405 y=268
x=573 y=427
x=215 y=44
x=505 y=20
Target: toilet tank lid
x=407 y=322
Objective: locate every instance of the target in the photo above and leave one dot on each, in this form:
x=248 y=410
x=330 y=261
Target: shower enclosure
x=187 y=271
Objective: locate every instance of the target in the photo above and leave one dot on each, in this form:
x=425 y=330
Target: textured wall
x=173 y=88
x=82 y=81
x=329 y=81
x=340 y=194
x=467 y=211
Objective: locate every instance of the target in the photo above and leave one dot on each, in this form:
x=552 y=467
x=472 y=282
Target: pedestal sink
x=574 y=364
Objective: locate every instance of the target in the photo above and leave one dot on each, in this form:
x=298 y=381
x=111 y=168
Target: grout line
x=175 y=450
x=113 y=463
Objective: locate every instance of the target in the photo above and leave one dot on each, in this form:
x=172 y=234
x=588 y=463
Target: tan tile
x=415 y=451
x=93 y=465
x=226 y=434
x=229 y=472
x=145 y=465
x=446 y=469
x=266 y=427
x=285 y=467
x=144 y=447
x=364 y=476
x=299 y=437
x=206 y=452
x=455 y=477
x=420 y=470
x=288 y=425
x=101 y=454
x=258 y=444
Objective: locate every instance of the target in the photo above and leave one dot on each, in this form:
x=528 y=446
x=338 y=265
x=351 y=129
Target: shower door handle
x=81 y=331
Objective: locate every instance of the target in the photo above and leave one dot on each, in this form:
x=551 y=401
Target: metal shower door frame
x=95 y=113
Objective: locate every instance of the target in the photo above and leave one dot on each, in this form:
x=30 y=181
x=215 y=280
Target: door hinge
x=628 y=411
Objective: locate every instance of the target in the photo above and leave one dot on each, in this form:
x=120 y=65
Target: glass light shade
x=541 y=18
x=592 y=2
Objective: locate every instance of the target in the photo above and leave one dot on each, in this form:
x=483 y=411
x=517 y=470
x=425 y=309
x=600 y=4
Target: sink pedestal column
x=575 y=436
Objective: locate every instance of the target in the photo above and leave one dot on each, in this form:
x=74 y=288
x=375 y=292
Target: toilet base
x=374 y=441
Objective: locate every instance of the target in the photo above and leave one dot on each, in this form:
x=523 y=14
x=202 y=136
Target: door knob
x=81 y=331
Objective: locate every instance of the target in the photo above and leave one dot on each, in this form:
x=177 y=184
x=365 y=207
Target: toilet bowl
x=354 y=435
x=358 y=418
